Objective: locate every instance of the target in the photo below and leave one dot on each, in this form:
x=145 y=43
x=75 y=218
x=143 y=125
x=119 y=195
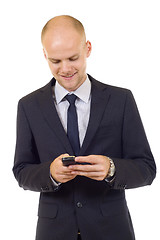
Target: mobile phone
x=70 y=160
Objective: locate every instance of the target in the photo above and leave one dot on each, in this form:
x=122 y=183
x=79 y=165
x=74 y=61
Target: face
x=66 y=55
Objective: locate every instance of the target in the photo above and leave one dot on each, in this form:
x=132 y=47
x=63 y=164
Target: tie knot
x=71 y=98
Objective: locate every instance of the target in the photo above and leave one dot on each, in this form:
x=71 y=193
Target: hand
x=97 y=169
x=59 y=172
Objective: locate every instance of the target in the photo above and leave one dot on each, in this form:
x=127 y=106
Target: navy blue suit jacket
x=97 y=208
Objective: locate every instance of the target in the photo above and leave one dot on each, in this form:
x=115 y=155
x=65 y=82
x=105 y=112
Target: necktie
x=72 y=124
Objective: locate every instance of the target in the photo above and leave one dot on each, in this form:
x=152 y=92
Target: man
x=101 y=127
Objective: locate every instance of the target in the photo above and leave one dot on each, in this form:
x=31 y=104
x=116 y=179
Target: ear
x=88 y=48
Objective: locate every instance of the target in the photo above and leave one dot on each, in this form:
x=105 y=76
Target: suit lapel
x=47 y=106
x=100 y=97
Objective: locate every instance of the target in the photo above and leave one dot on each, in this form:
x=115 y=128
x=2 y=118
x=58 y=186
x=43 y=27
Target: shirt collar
x=83 y=92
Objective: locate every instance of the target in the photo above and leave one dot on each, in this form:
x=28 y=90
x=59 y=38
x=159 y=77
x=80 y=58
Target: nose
x=66 y=67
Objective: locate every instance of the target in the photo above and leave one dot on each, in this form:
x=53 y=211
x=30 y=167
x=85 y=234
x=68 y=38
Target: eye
x=55 y=62
x=73 y=59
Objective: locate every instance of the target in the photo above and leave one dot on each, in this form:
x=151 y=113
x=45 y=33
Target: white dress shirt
x=82 y=104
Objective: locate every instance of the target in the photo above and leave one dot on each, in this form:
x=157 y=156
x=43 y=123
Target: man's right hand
x=59 y=172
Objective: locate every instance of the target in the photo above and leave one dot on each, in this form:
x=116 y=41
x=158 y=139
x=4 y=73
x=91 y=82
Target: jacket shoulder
x=33 y=95
x=112 y=89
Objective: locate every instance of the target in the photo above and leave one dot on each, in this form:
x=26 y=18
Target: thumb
x=64 y=155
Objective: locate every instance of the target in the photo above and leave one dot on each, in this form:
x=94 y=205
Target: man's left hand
x=97 y=168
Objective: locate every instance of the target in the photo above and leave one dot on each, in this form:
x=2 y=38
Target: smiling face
x=66 y=51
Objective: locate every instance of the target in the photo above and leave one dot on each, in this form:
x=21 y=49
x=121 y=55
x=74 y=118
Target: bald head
x=60 y=24
x=66 y=50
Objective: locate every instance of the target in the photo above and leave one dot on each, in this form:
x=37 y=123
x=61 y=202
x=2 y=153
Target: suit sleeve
x=30 y=173
x=137 y=167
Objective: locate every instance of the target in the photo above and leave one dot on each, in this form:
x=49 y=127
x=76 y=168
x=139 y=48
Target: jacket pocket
x=47 y=210
x=114 y=208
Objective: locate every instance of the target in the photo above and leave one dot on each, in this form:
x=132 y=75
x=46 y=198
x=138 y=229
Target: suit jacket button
x=79 y=205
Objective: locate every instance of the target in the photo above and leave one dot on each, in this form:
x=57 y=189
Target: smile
x=68 y=76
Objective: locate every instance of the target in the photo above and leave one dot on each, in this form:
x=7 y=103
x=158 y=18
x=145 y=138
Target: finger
x=83 y=168
x=65 y=170
x=92 y=159
x=67 y=176
x=86 y=168
x=92 y=175
x=63 y=155
x=66 y=173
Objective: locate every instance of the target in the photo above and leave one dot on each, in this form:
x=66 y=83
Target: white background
x=126 y=52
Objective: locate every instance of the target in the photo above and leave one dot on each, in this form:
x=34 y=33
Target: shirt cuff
x=56 y=184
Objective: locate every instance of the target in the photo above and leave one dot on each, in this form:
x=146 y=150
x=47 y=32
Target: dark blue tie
x=72 y=124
